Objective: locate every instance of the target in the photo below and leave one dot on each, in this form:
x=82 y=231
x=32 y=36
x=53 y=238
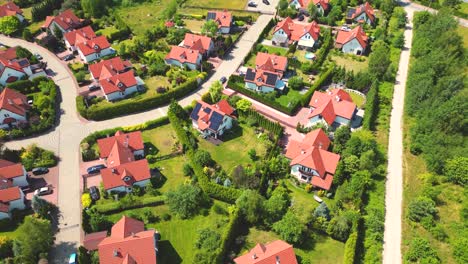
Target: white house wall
x=352 y=46
x=4 y=215
x=21 y=181
x=10 y=72
x=6 y=114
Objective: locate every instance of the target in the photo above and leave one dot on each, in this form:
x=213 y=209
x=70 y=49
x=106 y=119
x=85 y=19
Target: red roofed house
x=310 y=160
x=184 y=57
x=65 y=21
x=334 y=107
x=13 y=174
x=94 y=49
x=202 y=44
x=352 y=41
x=212 y=120
x=268 y=72
x=361 y=14
x=77 y=36
x=287 y=31
x=13 y=68
x=108 y=68
x=123 y=171
x=223 y=18
x=11 y=9
x=276 y=252
x=322 y=5
x=92 y=240
x=129 y=243
x=120 y=85
x=13 y=108
x=11 y=198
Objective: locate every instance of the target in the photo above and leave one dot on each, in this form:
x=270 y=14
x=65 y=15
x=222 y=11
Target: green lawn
x=292 y=95
x=162 y=138
x=107 y=31
x=172 y=171
x=463 y=31
x=142 y=17
x=232 y=4
x=198 y=11
x=10 y=230
x=349 y=62
x=233 y=151
x=194 y=25
x=358 y=100
x=156 y=81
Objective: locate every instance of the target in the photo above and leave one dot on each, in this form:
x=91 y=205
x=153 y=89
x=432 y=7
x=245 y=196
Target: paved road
x=394 y=184
x=65 y=138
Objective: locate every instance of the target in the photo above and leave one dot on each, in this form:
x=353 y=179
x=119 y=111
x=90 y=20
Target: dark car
x=40 y=170
x=38 y=56
x=69 y=57
x=94 y=192
x=96 y=169
x=300 y=18
x=252 y=4
x=266 y=2
x=223 y=79
x=93 y=87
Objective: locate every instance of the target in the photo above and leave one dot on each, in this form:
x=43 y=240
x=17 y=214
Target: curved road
x=65 y=138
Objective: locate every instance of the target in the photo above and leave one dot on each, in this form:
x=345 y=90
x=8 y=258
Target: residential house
x=108 y=68
x=287 y=31
x=129 y=242
x=13 y=173
x=184 y=57
x=13 y=108
x=202 y=44
x=94 y=49
x=11 y=198
x=276 y=252
x=311 y=162
x=222 y=18
x=13 y=68
x=65 y=21
x=123 y=170
x=11 y=9
x=333 y=108
x=212 y=120
x=92 y=240
x=352 y=41
x=77 y=36
x=322 y=5
x=120 y=85
x=361 y=14
x=268 y=73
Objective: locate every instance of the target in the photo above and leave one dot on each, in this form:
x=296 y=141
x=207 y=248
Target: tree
x=170 y=10
x=277 y=205
x=322 y=211
x=290 y=228
x=9 y=25
x=216 y=90
x=283 y=4
x=34 y=237
x=187 y=169
x=6 y=247
x=250 y=205
x=23 y=53
x=455 y=4
x=242 y=179
x=186 y=200
x=341 y=136
x=379 y=59
x=203 y=157
x=80 y=76
x=420 y=251
x=42 y=207
x=295 y=83
x=456 y=170
x=94 y=8
x=243 y=105
x=421 y=207
x=340 y=227
x=252 y=154
x=27 y=35
x=208 y=239
x=459 y=250
x=210 y=28
x=83 y=255
x=313 y=10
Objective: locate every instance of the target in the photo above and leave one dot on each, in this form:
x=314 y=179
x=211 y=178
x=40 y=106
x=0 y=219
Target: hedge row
x=274 y=127
x=125 y=107
x=116 y=207
x=324 y=77
x=228 y=236
x=236 y=83
x=350 y=249
x=324 y=49
x=372 y=105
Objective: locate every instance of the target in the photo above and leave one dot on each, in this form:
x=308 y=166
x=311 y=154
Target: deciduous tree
x=186 y=200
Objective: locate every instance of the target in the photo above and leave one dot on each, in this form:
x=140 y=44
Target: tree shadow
x=167 y=254
x=150 y=149
x=158 y=180
x=61 y=252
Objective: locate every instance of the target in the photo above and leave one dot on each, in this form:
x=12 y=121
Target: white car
x=43 y=191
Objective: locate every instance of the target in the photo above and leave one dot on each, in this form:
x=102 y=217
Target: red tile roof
x=8 y=195
x=169 y=24
x=223 y=18
x=324 y=183
x=10 y=170
x=78 y=36
x=132 y=139
x=271 y=62
x=197 y=42
x=261 y=77
x=296 y=31
x=183 y=55
x=108 y=68
x=67 y=20
x=91 y=241
x=224 y=107
x=316 y=138
x=120 y=154
x=128 y=243
x=93 y=46
x=367 y=8
x=323 y=3
x=272 y=253
x=136 y=171
x=10 y=9
x=14 y=101
x=329 y=105
x=345 y=36
x=205 y=113
x=118 y=82
x=9 y=59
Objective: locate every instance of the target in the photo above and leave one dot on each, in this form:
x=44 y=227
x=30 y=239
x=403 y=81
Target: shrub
x=186 y=201
x=187 y=170
x=421 y=207
x=324 y=77
x=110 y=208
x=295 y=83
x=350 y=249
x=372 y=104
x=86 y=200
x=456 y=170
x=6 y=247
x=203 y=158
x=34 y=156
x=459 y=250
x=290 y=228
x=420 y=251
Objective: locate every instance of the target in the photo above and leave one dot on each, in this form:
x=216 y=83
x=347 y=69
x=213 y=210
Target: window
x=7 y=115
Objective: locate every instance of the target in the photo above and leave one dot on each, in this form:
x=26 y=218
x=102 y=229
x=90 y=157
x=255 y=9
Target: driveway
x=50 y=179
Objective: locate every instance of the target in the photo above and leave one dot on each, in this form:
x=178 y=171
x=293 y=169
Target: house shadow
x=159 y=179
x=150 y=149
x=232 y=134
x=167 y=254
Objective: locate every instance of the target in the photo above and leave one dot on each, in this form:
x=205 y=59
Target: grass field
x=172 y=171
x=292 y=95
x=233 y=150
x=463 y=31
x=349 y=63
x=194 y=25
x=232 y=4
x=156 y=81
x=357 y=99
x=11 y=230
x=162 y=138
x=198 y=11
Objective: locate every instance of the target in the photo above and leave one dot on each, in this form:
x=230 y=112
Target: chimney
x=126 y=141
x=320 y=145
x=114 y=171
x=302 y=151
x=254 y=256
x=9 y=101
x=278 y=260
x=337 y=98
x=116 y=253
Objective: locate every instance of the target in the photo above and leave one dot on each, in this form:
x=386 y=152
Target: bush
x=290 y=228
x=420 y=251
x=6 y=247
x=186 y=201
x=34 y=156
x=114 y=207
x=350 y=249
x=203 y=158
x=187 y=170
x=420 y=208
x=295 y=83
x=324 y=77
x=372 y=104
x=86 y=200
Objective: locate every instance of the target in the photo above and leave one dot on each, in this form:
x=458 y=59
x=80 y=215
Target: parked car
x=266 y=2
x=72 y=259
x=95 y=169
x=252 y=4
x=94 y=192
x=93 y=87
x=40 y=170
x=38 y=56
x=223 y=80
x=69 y=57
x=345 y=28
x=300 y=17
x=43 y=191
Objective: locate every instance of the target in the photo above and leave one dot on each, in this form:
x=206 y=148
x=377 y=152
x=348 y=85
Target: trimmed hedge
x=372 y=105
x=125 y=107
x=350 y=249
x=236 y=83
x=116 y=207
x=323 y=51
x=324 y=77
x=274 y=127
x=228 y=236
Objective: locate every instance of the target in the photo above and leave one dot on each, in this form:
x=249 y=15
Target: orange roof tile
x=94 y=45
x=296 y=31
x=182 y=55
x=272 y=253
x=197 y=42
x=357 y=33
x=66 y=20
x=132 y=139
x=91 y=241
x=223 y=18
x=335 y=102
x=14 y=101
x=78 y=36
x=118 y=82
x=108 y=68
x=10 y=9
x=136 y=171
x=265 y=61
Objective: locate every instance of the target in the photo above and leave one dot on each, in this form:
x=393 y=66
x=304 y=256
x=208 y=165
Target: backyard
x=349 y=62
x=232 y=4
x=161 y=138
x=194 y=25
x=358 y=99
x=289 y=97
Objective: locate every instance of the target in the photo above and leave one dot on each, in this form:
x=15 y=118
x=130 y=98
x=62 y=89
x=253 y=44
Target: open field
x=162 y=138
x=194 y=25
x=172 y=171
x=349 y=63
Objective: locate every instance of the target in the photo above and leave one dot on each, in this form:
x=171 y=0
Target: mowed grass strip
x=163 y=138
x=232 y=4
